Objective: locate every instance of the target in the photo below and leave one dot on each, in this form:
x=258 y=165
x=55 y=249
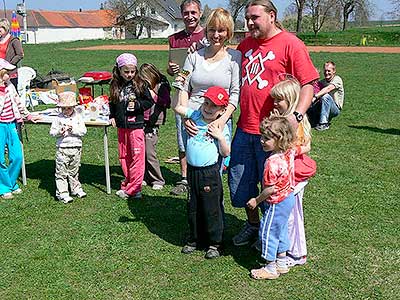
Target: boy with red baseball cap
x=205 y=214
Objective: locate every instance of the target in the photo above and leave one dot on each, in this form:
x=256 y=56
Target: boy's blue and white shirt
x=202 y=149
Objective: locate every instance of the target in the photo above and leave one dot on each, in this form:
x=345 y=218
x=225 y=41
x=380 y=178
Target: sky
x=382 y=6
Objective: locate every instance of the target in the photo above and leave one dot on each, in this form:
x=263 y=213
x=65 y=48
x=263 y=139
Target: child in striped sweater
x=12 y=110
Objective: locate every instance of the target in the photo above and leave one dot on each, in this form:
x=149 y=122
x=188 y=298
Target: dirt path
x=310 y=48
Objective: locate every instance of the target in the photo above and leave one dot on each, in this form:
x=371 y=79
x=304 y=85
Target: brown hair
x=117 y=82
x=279 y=129
x=330 y=63
x=186 y=2
x=149 y=74
x=268 y=7
x=220 y=17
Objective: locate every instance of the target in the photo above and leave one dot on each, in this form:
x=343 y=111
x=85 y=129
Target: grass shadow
x=166 y=217
x=393 y=131
x=170 y=176
x=163 y=216
x=93 y=175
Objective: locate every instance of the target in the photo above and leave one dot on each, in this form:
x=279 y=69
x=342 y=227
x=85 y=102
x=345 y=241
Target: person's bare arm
x=305 y=98
x=325 y=90
x=265 y=193
x=180 y=103
x=221 y=121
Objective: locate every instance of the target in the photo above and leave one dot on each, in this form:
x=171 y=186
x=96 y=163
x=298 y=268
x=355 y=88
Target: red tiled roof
x=85 y=19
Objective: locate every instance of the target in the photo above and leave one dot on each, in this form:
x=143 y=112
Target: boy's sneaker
x=257 y=245
x=65 y=198
x=144 y=183
x=212 y=252
x=17 y=191
x=180 y=188
x=189 y=248
x=80 y=194
x=157 y=187
x=122 y=194
x=7 y=196
x=246 y=235
x=322 y=127
x=296 y=261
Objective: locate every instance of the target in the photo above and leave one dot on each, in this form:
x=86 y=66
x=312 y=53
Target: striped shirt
x=7 y=114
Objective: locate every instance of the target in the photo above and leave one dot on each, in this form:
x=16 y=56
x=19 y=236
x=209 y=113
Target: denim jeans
x=329 y=109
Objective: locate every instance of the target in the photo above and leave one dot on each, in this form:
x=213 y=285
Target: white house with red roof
x=62 y=26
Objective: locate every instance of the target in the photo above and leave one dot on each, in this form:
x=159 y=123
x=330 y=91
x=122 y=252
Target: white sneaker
x=122 y=194
x=157 y=187
x=65 y=199
x=17 y=191
x=80 y=194
x=7 y=196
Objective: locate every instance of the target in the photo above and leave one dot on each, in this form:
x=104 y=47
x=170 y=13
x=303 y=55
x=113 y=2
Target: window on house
x=153 y=11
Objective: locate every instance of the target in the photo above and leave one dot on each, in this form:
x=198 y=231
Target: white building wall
x=54 y=35
x=161 y=15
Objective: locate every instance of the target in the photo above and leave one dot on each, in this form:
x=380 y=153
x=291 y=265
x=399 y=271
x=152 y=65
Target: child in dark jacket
x=130 y=97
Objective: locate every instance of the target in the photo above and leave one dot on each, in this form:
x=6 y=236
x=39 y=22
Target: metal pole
x=5 y=10
x=25 y=25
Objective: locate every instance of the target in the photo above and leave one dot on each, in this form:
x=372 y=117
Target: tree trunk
x=300 y=7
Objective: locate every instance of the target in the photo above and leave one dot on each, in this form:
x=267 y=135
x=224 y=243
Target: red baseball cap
x=217 y=95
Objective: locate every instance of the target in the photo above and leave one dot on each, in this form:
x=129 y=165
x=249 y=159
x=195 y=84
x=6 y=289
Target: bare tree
x=359 y=8
x=134 y=15
x=300 y=7
x=395 y=13
x=236 y=7
x=319 y=10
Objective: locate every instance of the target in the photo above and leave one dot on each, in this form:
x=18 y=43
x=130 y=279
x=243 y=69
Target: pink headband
x=126 y=59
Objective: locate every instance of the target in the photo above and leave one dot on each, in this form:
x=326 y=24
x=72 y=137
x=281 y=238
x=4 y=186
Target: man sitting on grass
x=328 y=102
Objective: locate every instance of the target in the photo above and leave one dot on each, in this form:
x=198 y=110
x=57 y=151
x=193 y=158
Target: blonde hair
x=268 y=7
x=279 y=129
x=221 y=18
x=2 y=73
x=5 y=24
x=288 y=90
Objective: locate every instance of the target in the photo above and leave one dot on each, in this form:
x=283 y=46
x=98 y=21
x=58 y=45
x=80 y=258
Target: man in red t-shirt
x=269 y=55
x=193 y=33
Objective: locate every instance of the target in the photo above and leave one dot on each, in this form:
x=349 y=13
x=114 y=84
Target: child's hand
x=66 y=129
x=112 y=122
x=215 y=131
x=35 y=118
x=180 y=79
x=252 y=203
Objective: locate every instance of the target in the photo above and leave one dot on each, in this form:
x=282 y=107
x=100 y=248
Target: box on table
x=61 y=87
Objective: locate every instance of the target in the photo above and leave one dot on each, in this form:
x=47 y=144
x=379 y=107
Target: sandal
x=263 y=273
x=172 y=160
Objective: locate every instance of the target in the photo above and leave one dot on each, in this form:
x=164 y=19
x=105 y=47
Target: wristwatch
x=299 y=116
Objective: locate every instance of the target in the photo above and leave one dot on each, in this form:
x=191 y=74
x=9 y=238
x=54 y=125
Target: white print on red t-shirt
x=255 y=67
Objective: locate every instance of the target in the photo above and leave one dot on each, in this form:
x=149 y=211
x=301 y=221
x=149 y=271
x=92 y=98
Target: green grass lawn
x=104 y=248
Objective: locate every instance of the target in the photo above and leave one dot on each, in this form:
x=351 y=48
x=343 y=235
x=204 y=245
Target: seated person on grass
x=328 y=101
